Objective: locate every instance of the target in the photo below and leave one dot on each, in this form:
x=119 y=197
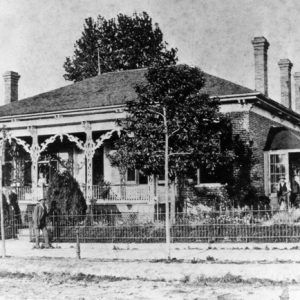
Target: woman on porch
x=42 y=183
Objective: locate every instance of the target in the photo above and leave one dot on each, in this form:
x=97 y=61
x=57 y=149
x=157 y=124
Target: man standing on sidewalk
x=40 y=223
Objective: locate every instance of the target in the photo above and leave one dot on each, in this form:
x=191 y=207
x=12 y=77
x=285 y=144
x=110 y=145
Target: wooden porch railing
x=121 y=193
x=23 y=192
x=110 y=194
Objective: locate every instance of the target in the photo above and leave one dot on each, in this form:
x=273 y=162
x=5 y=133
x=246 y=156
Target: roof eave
x=264 y=102
x=68 y=112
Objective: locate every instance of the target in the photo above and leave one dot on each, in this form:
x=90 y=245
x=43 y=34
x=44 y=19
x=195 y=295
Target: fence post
x=13 y=224
x=77 y=244
x=1 y=204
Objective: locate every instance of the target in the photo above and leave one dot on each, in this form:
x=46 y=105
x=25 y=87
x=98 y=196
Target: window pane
x=272 y=168
x=143 y=179
x=274 y=158
x=277 y=169
x=130 y=174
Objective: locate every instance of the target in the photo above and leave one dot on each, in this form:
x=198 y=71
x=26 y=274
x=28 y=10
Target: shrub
x=208 y=197
x=65 y=192
x=13 y=200
x=6 y=208
x=9 y=219
x=285 y=217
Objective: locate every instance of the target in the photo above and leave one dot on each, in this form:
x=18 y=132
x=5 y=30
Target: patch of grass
x=210 y=258
x=67 y=277
x=167 y=261
x=235 y=279
x=283 y=261
x=17 y=275
x=174 y=260
x=195 y=248
x=95 y=278
x=117 y=248
x=194 y=260
x=185 y=279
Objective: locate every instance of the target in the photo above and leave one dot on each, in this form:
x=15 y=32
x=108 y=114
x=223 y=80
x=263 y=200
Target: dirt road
x=66 y=278
x=109 y=271
x=135 y=289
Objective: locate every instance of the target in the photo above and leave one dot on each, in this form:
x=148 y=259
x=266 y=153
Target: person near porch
x=283 y=191
x=42 y=182
x=40 y=224
x=295 y=190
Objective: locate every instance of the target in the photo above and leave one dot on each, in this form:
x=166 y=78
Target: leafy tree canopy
x=193 y=123
x=127 y=42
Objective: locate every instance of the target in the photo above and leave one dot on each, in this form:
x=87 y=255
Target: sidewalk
x=143 y=260
x=226 y=252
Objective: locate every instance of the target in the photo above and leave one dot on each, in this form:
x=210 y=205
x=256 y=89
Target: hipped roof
x=107 y=89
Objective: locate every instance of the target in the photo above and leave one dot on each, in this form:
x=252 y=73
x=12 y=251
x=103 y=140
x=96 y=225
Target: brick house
x=72 y=127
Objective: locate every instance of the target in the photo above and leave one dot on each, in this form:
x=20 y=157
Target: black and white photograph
x=150 y=149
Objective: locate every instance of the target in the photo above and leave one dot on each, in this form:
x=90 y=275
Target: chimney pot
x=285 y=66
x=10 y=86
x=261 y=45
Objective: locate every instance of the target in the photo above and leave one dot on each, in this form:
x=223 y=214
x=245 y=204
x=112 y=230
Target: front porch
x=114 y=194
x=32 y=154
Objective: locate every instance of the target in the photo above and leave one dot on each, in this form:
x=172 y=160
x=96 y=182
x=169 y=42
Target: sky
x=36 y=36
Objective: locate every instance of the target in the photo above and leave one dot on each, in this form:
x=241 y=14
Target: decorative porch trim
x=89 y=148
x=35 y=149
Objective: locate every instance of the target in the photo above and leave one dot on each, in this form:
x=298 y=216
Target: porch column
x=151 y=189
x=89 y=151
x=34 y=154
x=151 y=196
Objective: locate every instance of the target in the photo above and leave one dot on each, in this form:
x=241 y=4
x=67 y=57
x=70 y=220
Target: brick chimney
x=285 y=66
x=261 y=45
x=10 y=86
x=297 y=91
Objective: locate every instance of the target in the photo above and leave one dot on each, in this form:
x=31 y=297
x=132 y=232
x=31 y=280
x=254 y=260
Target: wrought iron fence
x=204 y=226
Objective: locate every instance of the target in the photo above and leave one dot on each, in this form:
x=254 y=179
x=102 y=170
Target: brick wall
x=240 y=124
x=254 y=127
x=259 y=128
